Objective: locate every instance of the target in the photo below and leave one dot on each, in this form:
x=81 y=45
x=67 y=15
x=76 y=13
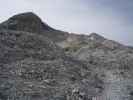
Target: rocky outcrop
x=28 y=22
x=38 y=62
x=16 y=45
x=34 y=68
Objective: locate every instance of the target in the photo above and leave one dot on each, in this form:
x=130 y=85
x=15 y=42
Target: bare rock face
x=17 y=45
x=113 y=63
x=59 y=79
x=34 y=68
x=28 y=22
x=38 y=62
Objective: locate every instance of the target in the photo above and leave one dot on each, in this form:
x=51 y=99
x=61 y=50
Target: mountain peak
x=27 y=21
x=26 y=15
x=95 y=36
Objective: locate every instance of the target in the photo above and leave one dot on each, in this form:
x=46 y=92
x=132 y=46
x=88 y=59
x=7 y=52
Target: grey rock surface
x=30 y=22
x=38 y=62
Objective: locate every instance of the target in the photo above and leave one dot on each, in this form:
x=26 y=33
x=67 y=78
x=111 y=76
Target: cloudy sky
x=110 y=18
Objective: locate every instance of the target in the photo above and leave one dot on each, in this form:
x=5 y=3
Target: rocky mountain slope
x=30 y=22
x=38 y=62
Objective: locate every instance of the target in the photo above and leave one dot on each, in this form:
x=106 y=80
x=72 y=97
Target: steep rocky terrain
x=30 y=22
x=113 y=63
x=38 y=62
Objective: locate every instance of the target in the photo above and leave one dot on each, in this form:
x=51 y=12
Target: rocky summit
x=38 y=62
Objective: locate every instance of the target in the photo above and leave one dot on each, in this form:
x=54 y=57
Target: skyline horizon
x=106 y=18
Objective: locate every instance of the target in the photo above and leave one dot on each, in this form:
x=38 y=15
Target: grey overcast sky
x=110 y=18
